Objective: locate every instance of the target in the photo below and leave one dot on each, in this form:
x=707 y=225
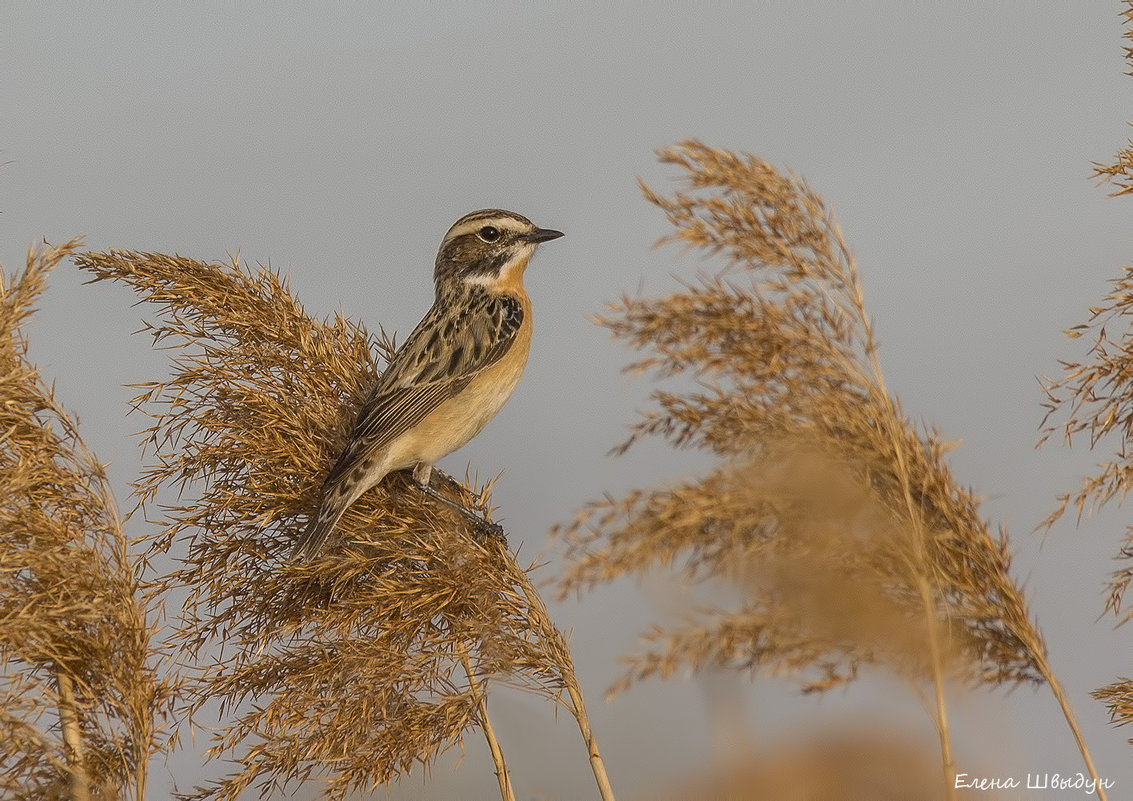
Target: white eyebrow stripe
x=506 y=223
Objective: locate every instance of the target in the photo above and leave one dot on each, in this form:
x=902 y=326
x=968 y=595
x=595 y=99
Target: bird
x=452 y=374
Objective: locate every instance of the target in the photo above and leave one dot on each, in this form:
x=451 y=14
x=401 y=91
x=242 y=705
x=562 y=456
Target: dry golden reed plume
x=1120 y=171
x=1094 y=397
x=374 y=657
x=859 y=764
x=1118 y=698
x=78 y=693
x=841 y=523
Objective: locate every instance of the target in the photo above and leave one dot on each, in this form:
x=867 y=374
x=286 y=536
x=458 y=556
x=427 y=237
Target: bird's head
x=489 y=248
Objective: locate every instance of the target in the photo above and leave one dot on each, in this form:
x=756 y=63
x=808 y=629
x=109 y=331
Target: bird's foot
x=483 y=526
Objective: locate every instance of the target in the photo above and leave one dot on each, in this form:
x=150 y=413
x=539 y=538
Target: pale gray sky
x=339 y=143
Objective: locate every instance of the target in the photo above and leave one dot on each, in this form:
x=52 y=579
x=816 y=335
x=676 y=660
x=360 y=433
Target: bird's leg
x=422 y=474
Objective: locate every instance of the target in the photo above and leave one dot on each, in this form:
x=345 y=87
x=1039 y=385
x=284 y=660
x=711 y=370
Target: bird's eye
x=489 y=233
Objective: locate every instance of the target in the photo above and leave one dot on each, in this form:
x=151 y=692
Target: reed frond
x=1118 y=698
x=79 y=691
x=1093 y=398
x=862 y=765
x=841 y=521
x=375 y=656
x=812 y=446
x=1119 y=172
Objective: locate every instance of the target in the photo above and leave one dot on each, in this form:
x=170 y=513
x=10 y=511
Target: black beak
x=541 y=235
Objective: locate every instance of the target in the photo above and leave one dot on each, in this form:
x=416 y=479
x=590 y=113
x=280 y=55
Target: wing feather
x=438 y=360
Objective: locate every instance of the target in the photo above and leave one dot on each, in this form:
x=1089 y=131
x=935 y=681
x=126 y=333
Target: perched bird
x=454 y=372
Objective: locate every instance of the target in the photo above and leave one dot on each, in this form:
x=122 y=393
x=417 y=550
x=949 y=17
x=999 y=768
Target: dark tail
x=321 y=526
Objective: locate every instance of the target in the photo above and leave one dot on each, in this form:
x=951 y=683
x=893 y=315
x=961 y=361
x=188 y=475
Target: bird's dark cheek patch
x=492 y=267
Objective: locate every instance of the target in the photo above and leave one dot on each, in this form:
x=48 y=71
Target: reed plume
x=372 y=658
x=1119 y=171
x=1094 y=398
x=839 y=521
x=862 y=764
x=80 y=699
